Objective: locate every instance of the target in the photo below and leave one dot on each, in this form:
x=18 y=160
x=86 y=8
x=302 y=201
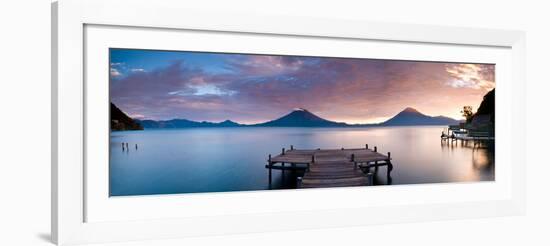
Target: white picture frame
x=79 y=216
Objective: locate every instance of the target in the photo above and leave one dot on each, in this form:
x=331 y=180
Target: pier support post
x=312 y=161
x=375 y=149
x=283 y=151
x=390 y=168
x=365 y=168
x=370 y=178
x=269 y=164
x=366 y=146
x=376 y=167
x=270 y=178
x=283 y=171
x=291 y=147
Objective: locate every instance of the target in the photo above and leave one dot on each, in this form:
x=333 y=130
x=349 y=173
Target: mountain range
x=183 y=123
x=303 y=118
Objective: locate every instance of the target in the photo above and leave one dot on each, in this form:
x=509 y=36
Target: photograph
x=197 y=121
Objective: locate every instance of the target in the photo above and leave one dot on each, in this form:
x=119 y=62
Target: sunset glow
x=198 y=86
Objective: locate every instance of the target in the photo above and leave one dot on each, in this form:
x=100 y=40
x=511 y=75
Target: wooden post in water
x=283 y=151
x=366 y=146
x=375 y=149
x=390 y=168
x=291 y=147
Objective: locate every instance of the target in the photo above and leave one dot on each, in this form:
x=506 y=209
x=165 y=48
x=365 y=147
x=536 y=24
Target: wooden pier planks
x=333 y=174
x=332 y=167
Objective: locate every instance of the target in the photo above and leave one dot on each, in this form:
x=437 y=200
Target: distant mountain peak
x=410 y=110
x=411 y=116
x=228 y=123
x=301 y=117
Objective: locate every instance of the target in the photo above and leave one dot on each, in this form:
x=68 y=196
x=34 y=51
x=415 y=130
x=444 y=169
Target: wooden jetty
x=455 y=134
x=331 y=167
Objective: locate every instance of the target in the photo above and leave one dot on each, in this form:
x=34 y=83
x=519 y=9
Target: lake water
x=233 y=159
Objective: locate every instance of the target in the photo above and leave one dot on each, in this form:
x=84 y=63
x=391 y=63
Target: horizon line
x=294 y=109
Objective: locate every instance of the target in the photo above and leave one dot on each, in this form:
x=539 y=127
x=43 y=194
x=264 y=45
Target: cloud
x=264 y=65
x=138 y=70
x=137 y=116
x=255 y=88
x=475 y=76
x=175 y=91
x=115 y=73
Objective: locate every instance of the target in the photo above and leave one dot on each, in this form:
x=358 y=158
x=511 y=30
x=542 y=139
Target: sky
x=245 y=88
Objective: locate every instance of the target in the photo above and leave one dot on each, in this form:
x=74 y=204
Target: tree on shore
x=467 y=113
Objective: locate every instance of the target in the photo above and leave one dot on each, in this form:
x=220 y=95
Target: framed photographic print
x=171 y=126
x=189 y=122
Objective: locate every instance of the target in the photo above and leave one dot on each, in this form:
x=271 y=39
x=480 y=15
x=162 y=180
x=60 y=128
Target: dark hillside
x=121 y=122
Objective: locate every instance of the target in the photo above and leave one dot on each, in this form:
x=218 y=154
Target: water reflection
x=221 y=159
x=482 y=155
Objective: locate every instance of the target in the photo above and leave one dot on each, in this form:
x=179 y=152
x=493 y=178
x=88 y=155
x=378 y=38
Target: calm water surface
x=233 y=159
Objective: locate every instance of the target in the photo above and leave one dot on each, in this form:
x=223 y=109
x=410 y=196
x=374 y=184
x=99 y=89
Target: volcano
x=300 y=117
x=410 y=116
